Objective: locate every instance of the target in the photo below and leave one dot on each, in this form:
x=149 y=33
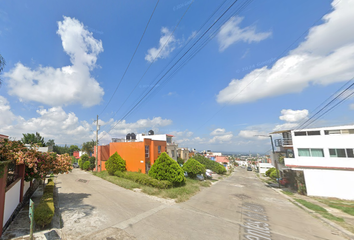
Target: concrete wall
x=329 y=183
x=26 y=186
x=12 y=199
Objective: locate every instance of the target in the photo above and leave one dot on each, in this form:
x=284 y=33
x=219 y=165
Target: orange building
x=139 y=156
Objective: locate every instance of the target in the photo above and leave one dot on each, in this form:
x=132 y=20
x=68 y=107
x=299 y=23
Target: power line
x=154 y=58
x=131 y=59
x=174 y=64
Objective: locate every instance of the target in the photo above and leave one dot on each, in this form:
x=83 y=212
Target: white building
x=263 y=167
x=326 y=158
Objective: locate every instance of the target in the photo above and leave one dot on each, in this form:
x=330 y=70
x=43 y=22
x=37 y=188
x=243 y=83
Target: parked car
x=75 y=165
x=185 y=174
x=200 y=177
x=249 y=169
x=208 y=173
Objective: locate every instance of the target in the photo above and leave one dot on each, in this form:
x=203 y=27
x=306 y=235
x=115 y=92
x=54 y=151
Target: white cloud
x=6 y=115
x=218 y=131
x=326 y=56
x=290 y=115
x=221 y=138
x=167 y=44
x=253 y=134
x=231 y=33
x=69 y=84
x=182 y=134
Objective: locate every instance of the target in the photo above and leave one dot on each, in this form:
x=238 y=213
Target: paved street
x=239 y=207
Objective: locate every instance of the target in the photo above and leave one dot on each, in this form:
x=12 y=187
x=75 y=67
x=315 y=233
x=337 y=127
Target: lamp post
x=275 y=161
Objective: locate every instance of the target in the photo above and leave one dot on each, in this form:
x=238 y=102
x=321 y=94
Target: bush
x=180 y=161
x=165 y=168
x=80 y=163
x=274 y=174
x=115 y=163
x=86 y=165
x=210 y=164
x=44 y=212
x=144 y=179
x=269 y=171
x=92 y=162
x=73 y=159
x=193 y=168
x=85 y=157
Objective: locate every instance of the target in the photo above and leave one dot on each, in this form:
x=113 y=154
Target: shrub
x=115 y=163
x=193 y=168
x=85 y=157
x=210 y=164
x=92 y=162
x=165 y=168
x=86 y=165
x=144 y=179
x=180 y=161
x=73 y=159
x=269 y=171
x=274 y=174
x=44 y=212
x=80 y=163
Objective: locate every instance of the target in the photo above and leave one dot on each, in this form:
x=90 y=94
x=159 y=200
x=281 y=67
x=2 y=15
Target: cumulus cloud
x=231 y=32
x=182 y=134
x=167 y=44
x=6 y=115
x=218 y=131
x=252 y=134
x=326 y=56
x=221 y=138
x=67 y=85
x=290 y=115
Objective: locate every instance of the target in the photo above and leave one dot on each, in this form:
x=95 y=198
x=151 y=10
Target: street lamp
x=275 y=161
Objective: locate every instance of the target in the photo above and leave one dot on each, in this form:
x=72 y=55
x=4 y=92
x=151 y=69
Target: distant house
x=321 y=158
x=2 y=137
x=183 y=153
x=222 y=160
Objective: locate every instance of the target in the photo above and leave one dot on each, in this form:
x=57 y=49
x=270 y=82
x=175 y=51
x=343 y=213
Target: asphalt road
x=239 y=207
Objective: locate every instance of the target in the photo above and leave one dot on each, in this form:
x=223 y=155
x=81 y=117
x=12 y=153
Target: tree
x=31 y=138
x=180 y=160
x=115 y=163
x=2 y=65
x=88 y=147
x=50 y=143
x=165 y=168
x=193 y=168
x=73 y=148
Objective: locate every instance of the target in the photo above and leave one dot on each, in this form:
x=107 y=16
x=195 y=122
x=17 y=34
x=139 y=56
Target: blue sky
x=268 y=68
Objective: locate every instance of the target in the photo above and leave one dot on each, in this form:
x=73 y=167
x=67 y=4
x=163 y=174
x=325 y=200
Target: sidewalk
x=20 y=226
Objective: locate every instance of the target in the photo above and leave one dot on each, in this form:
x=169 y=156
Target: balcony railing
x=283 y=142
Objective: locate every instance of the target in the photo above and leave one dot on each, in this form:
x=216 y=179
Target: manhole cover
x=241 y=196
x=82 y=180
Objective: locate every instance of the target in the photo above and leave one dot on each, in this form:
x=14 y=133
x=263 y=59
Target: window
x=146 y=151
x=339 y=131
x=158 y=149
x=169 y=140
x=310 y=152
x=300 y=133
x=173 y=153
x=341 y=153
x=307 y=133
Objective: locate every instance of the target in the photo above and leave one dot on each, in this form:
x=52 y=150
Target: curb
x=344 y=231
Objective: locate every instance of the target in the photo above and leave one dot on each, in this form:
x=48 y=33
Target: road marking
x=138 y=218
x=254 y=226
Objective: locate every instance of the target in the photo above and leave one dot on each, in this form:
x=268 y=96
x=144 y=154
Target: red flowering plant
x=37 y=164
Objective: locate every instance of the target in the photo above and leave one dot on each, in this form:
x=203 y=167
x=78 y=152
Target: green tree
x=92 y=162
x=50 y=143
x=193 y=168
x=180 y=160
x=60 y=149
x=165 y=168
x=73 y=148
x=87 y=147
x=31 y=138
x=115 y=163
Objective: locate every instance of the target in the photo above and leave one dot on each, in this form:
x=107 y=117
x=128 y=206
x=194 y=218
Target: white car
x=208 y=173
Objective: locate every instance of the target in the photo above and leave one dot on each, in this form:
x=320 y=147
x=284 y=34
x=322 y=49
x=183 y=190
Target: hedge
x=115 y=163
x=193 y=168
x=44 y=212
x=210 y=164
x=86 y=165
x=165 y=168
x=144 y=179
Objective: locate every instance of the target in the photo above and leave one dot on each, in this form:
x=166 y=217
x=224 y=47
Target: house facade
x=325 y=157
x=138 y=155
x=183 y=153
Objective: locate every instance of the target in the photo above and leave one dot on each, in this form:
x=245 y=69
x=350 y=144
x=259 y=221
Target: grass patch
x=319 y=210
x=343 y=205
x=180 y=194
x=287 y=193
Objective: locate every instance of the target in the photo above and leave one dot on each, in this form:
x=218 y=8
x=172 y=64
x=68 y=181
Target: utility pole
x=97 y=128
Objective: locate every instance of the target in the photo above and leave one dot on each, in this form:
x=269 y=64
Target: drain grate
x=82 y=180
x=241 y=196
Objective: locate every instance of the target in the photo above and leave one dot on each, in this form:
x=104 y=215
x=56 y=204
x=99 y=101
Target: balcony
x=283 y=142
